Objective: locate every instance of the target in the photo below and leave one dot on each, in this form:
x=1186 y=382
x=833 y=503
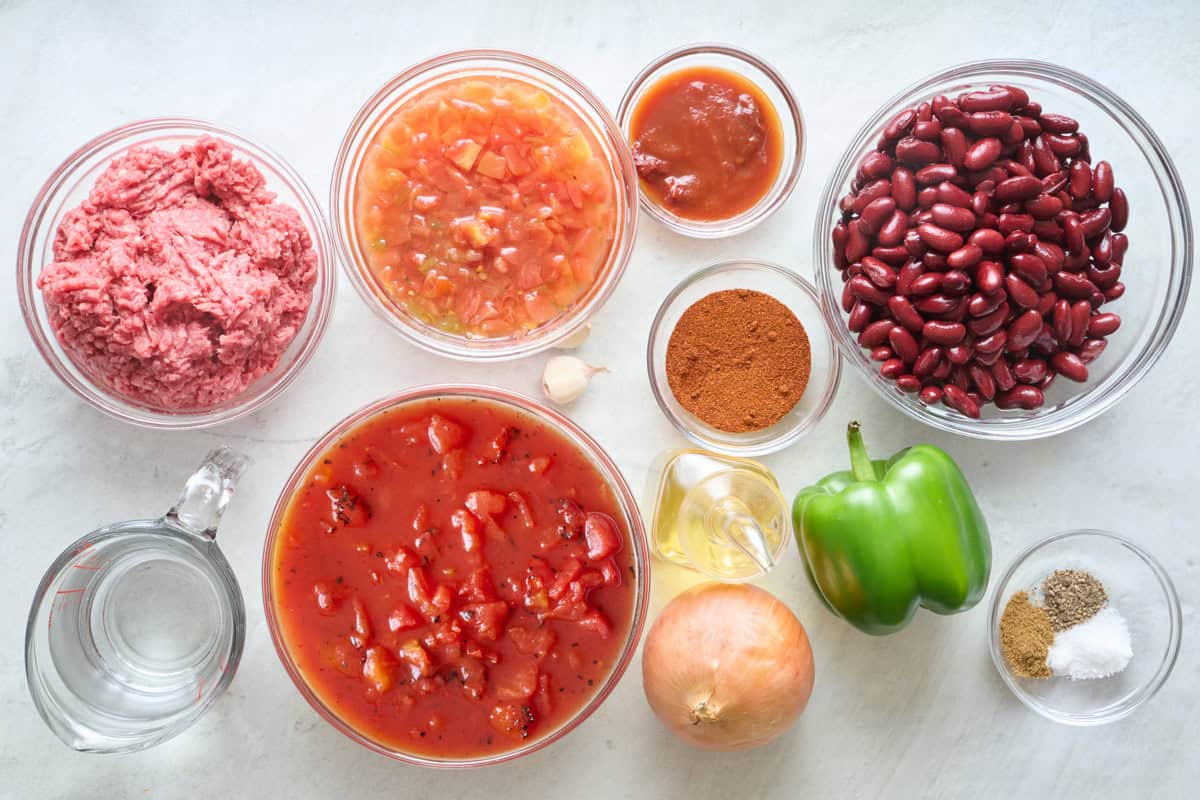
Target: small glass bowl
x=380 y=107
x=776 y=89
x=586 y=445
x=1137 y=586
x=794 y=292
x=1159 y=258
x=71 y=183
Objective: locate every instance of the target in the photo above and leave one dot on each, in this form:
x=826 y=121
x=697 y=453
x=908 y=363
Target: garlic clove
x=566 y=377
x=575 y=339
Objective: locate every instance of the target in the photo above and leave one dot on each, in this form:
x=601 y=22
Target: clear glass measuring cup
x=138 y=626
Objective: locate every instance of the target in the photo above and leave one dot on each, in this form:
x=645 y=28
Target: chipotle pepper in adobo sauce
x=707 y=143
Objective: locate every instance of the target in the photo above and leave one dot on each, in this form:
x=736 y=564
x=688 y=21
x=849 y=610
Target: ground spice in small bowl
x=1025 y=637
x=739 y=360
x=1072 y=596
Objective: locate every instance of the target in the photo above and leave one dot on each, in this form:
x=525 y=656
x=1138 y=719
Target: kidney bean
x=954 y=146
x=938 y=238
x=870 y=193
x=891 y=232
x=966 y=256
x=982 y=154
x=892 y=368
x=949 y=194
x=1026 y=397
x=951 y=115
x=1043 y=207
x=943 y=333
x=953 y=218
x=989 y=323
x=989 y=240
x=838 y=236
x=935 y=173
x=925 y=284
x=1022 y=293
x=1073 y=234
x=877 y=212
x=960 y=353
x=1120 y=243
x=927 y=129
x=942 y=372
x=979 y=204
x=858 y=242
x=1029 y=370
x=913 y=244
x=989 y=359
x=1081 y=313
x=1090 y=349
x=1096 y=299
x=1007 y=223
x=904 y=344
x=983 y=304
x=1015 y=169
x=876 y=333
x=1119 y=207
x=989 y=123
x=868 y=292
x=1029 y=267
x=935 y=262
x=989 y=277
x=957 y=398
x=904 y=188
x=1023 y=330
x=1058 y=123
x=927 y=361
x=903 y=312
x=1069 y=365
x=1024 y=154
x=860 y=316
x=1063 y=146
x=1073 y=286
x=1114 y=292
x=878 y=272
x=848 y=298
x=1030 y=127
x=1046 y=302
x=991 y=100
x=909 y=384
x=1044 y=159
x=1002 y=374
x=1094 y=223
x=1020 y=98
x=1050 y=253
x=876 y=165
x=1054 y=182
x=1102 y=182
x=915 y=152
x=983 y=380
x=1102 y=252
x=1048 y=230
x=1014 y=134
x=957 y=313
x=1061 y=320
x=1081 y=180
x=908 y=273
x=955 y=282
x=882 y=353
x=931 y=395
x=900 y=124
x=1102 y=325
x=1022 y=187
x=936 y=304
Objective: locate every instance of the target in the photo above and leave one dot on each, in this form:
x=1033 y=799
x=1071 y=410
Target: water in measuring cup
x=141 y=633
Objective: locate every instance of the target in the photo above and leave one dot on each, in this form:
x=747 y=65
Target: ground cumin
x=739 y=360
x=1025 y=637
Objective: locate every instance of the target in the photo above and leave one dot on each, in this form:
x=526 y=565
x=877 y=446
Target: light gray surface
x=920 y=713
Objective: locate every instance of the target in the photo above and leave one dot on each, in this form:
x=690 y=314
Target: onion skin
x=727 y=667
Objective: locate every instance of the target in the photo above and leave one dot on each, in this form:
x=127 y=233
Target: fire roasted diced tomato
x=327 y=595
x=596 y=622
x=519 y=681
x=379 y=668
x=603 y=536
x=445 y=434
x=478 y=587
x=346 y=507
x=414 y=658
x=512 y=719
x=497 y=447
x=402 y=561
x=362 y=623
x=467 y=526
x=572 y=604
x=403 y=618
x=534 y=642
x=473 y=676
x=568 y=572
x=485 y=619
x=571 y=518
x=521 y=508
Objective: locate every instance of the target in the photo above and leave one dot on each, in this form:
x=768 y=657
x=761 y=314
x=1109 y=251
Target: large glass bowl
x=630 y=518
x=70 y=184
x=419 y=78
x=1137 y=586
x=1158 y=267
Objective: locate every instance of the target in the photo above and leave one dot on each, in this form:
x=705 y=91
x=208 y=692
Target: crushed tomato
x=485 y=207
x=457 y=612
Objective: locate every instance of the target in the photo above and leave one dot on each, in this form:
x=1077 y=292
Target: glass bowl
x=791 y=290
x=70 y=184
x=572 y=433
x=420 y=77
x=1159 y=230
x=1137 y=586
x=791 y=121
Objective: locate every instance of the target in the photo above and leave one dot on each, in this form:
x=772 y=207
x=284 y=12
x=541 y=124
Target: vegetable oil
x=719 y=515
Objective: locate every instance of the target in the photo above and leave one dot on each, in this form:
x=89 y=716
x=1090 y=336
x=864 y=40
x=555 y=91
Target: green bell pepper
x=887 y=536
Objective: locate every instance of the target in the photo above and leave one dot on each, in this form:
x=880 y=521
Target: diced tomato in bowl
x=443 y=601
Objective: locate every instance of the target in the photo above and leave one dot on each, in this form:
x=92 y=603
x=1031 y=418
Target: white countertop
x=919 y=713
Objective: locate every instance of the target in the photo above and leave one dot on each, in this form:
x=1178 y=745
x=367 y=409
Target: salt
x=1098 y=648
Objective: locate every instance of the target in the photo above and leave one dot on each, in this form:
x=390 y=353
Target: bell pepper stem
x=860 y=463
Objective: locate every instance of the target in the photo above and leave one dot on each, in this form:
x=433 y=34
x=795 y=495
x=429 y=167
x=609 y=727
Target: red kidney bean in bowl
x=977 y=240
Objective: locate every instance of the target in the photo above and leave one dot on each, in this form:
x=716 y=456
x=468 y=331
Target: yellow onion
x=727 y=667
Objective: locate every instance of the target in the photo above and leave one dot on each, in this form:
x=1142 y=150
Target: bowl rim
x=42 y=213
x=660 y=392
x=562 y=425
x=1142 y=694
x=779 y=192
x=609 y=137
x=1036 y=425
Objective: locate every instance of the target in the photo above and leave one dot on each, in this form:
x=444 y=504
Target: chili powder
x=739 y=360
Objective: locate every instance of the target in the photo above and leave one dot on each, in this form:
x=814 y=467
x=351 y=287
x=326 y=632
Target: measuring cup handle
x=206 y=494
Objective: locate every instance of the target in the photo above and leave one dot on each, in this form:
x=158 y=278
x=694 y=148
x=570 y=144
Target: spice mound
x=179 y=281
x=739 y=360
x=1071 y=632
